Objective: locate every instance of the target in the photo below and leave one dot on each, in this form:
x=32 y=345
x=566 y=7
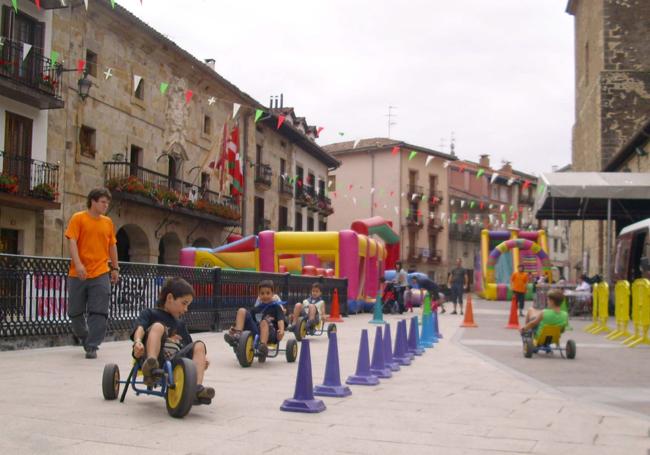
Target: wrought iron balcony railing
x=26 y=177
x=414 y=192
x=263 y=175
x=286 y=188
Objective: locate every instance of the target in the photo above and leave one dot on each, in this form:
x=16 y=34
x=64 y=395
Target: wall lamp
x=83 y=84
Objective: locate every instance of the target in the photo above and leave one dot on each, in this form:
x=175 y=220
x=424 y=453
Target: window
x=322 y=225
x=259 y=215
x=298 y=226
x=433 y=182
x=494 y=192
x=91 y=63
x=504 y=194
x=413 y=177
x=205 y=181
x=283 y=166
x=87 y=142
x=563 y=246
x=135 y=159
x=555 y=248
x=586 y=63
x=139 y=90
x=331 y=183
x=284 y=218
x=207 y=124
x=321 y=187
x=258 y=154
x=310 y=223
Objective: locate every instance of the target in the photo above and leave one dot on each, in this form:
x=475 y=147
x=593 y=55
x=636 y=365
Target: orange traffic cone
x=513 y=323
x=469 y=314
x=335 y=312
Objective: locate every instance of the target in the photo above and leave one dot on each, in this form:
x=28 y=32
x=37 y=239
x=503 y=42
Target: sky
x=497 y=75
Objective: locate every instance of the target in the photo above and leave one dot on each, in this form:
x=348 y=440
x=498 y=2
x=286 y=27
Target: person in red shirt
x=519 y=285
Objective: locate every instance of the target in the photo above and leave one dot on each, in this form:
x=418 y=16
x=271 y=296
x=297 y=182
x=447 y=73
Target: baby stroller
x=389 y=299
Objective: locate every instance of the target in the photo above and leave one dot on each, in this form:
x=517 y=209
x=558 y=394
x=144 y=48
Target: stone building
x=390 y=178
x=612 y=90
x=29 y=91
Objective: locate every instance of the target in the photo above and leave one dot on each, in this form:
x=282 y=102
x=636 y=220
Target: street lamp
x=83 y=84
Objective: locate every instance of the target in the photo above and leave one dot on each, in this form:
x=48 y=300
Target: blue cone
x=331 y=386
x=436 y=333
x=378 y=314
x=427 y=331
x=413 y=338
x=378 y=366
x=388 y=350
x=303 y=397
x=405 y=343
x=400 y=356
x=363 y=375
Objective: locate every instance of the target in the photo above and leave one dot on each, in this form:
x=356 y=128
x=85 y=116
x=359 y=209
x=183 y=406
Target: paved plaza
x=473 y=393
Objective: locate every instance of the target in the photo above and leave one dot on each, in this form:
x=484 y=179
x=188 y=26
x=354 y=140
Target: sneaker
x=263 y=351
x=91 y=353
x=232 y=337
x=461 y=312
x=204 y=393
x=454 y=312
x=148 y=366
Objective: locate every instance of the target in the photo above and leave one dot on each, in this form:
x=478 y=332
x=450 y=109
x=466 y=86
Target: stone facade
x=612 y=58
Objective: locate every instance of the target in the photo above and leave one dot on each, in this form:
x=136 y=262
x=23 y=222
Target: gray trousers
x=88 y=308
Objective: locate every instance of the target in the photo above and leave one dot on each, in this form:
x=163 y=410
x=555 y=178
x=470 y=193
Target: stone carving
x=177 y=115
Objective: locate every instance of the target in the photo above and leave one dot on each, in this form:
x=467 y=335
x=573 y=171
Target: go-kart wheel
x=180 y=398
x=331 y=328
x=529 y=347
x=292 y=351
x=111 y=381
x=301 y=329
x=245 y=349
x=570 y=349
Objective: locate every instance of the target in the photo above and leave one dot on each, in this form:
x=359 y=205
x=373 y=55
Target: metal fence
x=34 y=294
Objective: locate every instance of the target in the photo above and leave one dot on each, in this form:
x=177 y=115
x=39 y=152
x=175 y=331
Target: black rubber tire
x=292 y=351
x=331 y=328
x=529 y=346
x=245 y=350
x=570 y=349
x=179 y=400
x=111 y=381
x=300 y=331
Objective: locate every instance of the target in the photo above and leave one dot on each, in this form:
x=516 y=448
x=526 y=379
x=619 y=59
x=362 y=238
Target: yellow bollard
x=641 y=298
x=603 y=309
x=594 y=311
x=622 y=311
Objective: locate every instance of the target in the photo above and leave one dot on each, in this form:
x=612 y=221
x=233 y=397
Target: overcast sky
x=498 y=73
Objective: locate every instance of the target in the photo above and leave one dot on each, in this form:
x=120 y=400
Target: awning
x=584 y=195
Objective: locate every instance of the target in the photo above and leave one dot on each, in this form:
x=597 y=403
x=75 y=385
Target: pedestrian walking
x=519 y=285
x=91 y=237
x=401 y=281
x=457 y=282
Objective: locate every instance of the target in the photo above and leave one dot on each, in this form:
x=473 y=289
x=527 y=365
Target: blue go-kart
x=304 y=328
x=247 y=348
x=175 y=382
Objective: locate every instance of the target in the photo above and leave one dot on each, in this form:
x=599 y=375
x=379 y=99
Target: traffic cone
x=378 y=366
x=331 y=386
x=363 y=375
x=437 y=336
x=378 y=314
x=335 y=312
x=427 y=331
x=469 y=314
x=413 y=338
x=399 y=353
x=388 y=350
x=426 y=308
x=303 y=397
x=513 y=323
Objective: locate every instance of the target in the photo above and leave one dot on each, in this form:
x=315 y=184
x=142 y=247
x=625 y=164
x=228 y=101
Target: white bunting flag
x=402 y=194
x=414 y=196
x=372 y=190
x=235 y=109
x=86 y=3
x=136 y=82
x=494 y=177
x=511 y=180
x=354 y=200
x=429 y=158
x=26 y=49
x=445 y=164
x=501 y=207
x=396 y=210
x=329 y=184
x=356 y=142
x=442 y=216
x=452 y=202
x=462 y=203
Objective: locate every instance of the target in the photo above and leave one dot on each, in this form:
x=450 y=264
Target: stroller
x=389 y=299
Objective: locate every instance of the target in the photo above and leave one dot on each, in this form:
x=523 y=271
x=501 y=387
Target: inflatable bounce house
x=501 y=254
x=360 y=254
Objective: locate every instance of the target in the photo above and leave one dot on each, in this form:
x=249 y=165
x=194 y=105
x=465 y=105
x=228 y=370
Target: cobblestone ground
x=455 y=399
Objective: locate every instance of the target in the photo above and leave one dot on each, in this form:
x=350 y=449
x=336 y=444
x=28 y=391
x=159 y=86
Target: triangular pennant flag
x=452 y=202
x=462 y=203
x=136 y=82
x=81 y=64
x=501 y=208
x=2 y=42
x=258 y=114
x=526 y=184
x=354 y=200
x=429 y=158
x=453 y=217
x=480 y=173
x=461 y=169
x=14 y=3
x=511 y=180
x=281 y=119
x=86 y=3
x=372 y=190
x=188 y=96
x=471 y=204
x=445 y=164
x=481 y=205
x=113 y=3
x=38 y=4
x=503 y=217
x=396 y=210
x=54 y=56
x=395 y=150
x=333 y=193
x=494 y=177
x=540 y=188
x=356 y=143
x=412 y=154
x=163 y=87
x=442 y=216
x=235 y=109
x=414 y=196
x=319 y=129
x=392 y=193
x=329 y=184
x=26 y=49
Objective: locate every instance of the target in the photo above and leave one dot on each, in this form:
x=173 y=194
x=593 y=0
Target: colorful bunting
x=235 y=109
x=462 y=167
x=281 y=119
x=81 y=65
x=540 y=188
x=320 y=128
x=462 y=203
x=372 y=190
x=494 y=177
x=14 y=3
x=38 y=4
x=429 y=158
x=350 y=186
x=526 y=184
x=480 y=173
x=445 y=164
x=163 y=87
x=188 y=96
x=26 y=49
x=54 y=56
x=412 y=154
x=86 y=3
x=136 y=82
x=113 y=3
x=471 y=204
x=258 y=114
x=511 y=180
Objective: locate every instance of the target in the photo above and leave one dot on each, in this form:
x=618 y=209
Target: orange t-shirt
x=519 y=281
x=94 y=236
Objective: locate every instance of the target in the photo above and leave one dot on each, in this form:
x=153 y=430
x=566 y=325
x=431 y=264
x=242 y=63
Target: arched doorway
x=169 y=249
x=201 y=242
x=132 y=244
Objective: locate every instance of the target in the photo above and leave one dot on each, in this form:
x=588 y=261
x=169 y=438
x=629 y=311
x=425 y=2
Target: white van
x=633 y=252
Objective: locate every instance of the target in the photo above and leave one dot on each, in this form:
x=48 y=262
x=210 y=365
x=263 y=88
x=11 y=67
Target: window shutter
x=6 y=20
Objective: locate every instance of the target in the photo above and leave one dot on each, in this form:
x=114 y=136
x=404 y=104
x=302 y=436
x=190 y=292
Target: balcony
x=434 y=225
x=435 y=198
x=434 y=257
x=286 y=188
x=33 y=81
x=28 y=184
x=262 y=225
x=414 y=222
x=263 y=176
x=306 y=196
x=414 y=192
x=465 y=232
x=324 y=205
x=144 y=186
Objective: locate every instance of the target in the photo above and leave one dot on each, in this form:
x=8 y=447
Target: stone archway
x=169 y=249
x=201 y=242
x=133 y=244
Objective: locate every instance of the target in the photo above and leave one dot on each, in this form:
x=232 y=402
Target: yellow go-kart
x=303 y=328
x=547 y=340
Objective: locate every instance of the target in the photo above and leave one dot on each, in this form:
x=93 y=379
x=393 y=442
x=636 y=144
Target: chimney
x=484 y=161
x=507 y=167
x=281 y=99
x=210 y=62
x=271 y=102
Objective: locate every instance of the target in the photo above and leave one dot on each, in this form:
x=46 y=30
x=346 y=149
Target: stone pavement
x=449 y=401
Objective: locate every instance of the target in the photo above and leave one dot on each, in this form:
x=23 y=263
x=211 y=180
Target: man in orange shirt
x=519 y=285
x=92 y=241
